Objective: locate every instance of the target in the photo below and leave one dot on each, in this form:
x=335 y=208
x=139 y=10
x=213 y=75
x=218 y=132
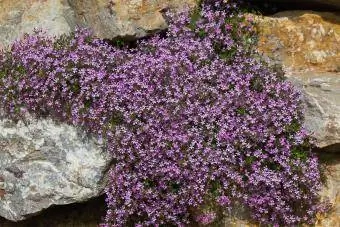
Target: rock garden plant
x=196 y=122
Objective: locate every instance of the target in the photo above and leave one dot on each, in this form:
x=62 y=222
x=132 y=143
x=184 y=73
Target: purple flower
x=206 y=218
x=191 y=116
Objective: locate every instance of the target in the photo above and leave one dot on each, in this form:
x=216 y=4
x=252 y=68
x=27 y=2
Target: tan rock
x=302 y=40
x=307 y=44
x=331 y=190
x=108 y=19
x=19 y=17
x=131 y=18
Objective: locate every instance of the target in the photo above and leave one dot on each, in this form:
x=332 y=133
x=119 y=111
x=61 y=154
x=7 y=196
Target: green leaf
x=215 y=187
x=202 y=33
x=241 y=110
x=88 y=103
x=293 y=127
x=148 y=183
x=249 y=160
x=257 y=84
x=195 y=16
x=227 y=54
x=298 y=153
x=21 y=69
x=3 y=73
x=75 y=88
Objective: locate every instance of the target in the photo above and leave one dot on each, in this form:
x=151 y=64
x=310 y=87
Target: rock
x=125 y=18
x=23 y=16
x=322 y=100
x=301 y=40
x=307 y=44
x=45 y=163
x=108 y=19
x=331 y=189
x=87 y=214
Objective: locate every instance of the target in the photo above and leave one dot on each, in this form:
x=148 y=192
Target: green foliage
x=241 y=111
x=195 y=16
x=257 y=84
x=227 y=54
x=215 y=187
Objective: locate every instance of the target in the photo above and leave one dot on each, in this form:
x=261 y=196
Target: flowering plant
x=192 y=118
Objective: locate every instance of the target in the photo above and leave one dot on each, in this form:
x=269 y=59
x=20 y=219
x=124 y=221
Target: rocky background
x=45 y=164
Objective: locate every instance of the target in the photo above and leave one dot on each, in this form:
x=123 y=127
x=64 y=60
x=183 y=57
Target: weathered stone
x=331 y=189
x=302 y=40
x=23 y=16
x=87 y=214
x=108 y=19
x=307 y=44
x=44 y=163
x=322 y=100
x=127 y=18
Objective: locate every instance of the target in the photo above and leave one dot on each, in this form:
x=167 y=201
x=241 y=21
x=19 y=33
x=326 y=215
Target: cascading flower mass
x=193 y=119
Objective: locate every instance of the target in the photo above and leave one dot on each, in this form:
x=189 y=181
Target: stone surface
x=21 y=16
x=108 y=19
x=87 y=214
x=126 y=18
x=44 y=163
x=302 y=40
x=321 y=92
x=331 y=189
x=307 y=44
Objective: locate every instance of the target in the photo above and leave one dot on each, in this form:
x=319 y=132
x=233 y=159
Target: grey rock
x=322 y=100
x=44 y=163
x=55 y=17
x=107 y=19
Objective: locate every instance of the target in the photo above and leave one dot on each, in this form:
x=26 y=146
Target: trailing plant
x=191 y=119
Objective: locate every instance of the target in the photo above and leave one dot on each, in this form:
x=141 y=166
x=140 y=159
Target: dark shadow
x=328 y=157
x=268 y=7
x=88 y=214
x=130 y=42
x=334 y=148
x=274 y=9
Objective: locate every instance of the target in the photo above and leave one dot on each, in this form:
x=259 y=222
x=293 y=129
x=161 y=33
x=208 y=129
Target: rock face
x=87 y=214
x=322 y=99
x=108 y=19
x=302 y=40
x=307 y=43
x=331 y=189
x=43 y=163
x=19 y=17
x=127 y=18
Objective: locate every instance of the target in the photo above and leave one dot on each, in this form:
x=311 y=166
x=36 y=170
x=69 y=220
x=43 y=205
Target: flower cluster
x=192 y=118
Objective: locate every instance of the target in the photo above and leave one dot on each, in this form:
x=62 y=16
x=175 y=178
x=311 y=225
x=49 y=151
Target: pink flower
x=223 y=200
x=206 y=218
x=228 y=27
